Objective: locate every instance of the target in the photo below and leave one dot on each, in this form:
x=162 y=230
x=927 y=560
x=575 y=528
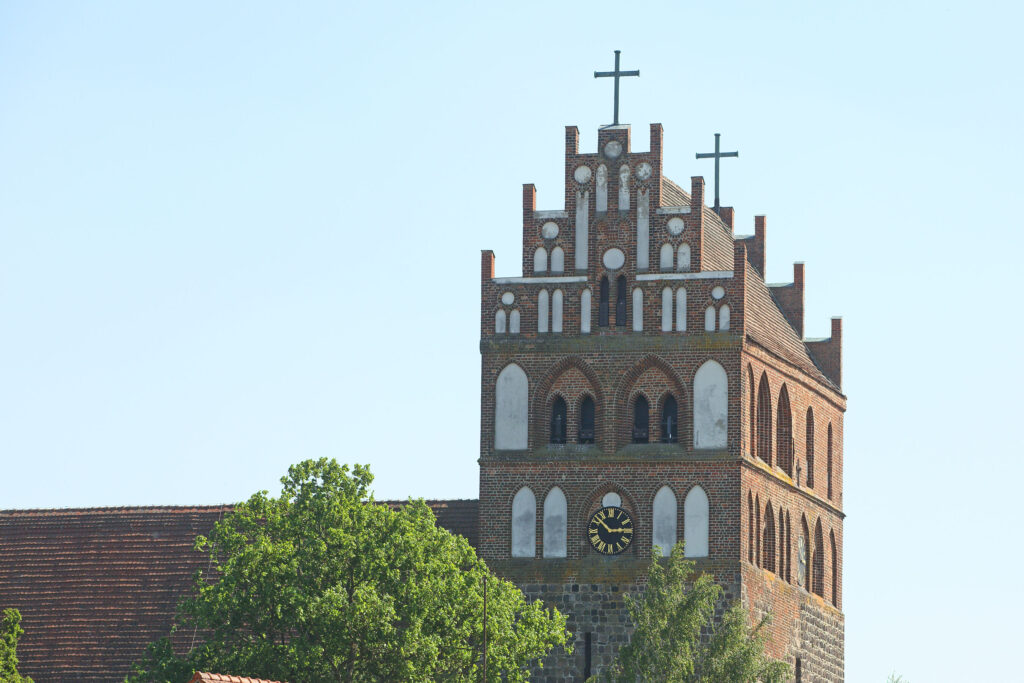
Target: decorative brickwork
x=691 y=293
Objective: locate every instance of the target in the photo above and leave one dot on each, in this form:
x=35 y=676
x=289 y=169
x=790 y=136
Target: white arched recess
x=540 y=260
x=499 y=322
x=585 y=312
x=542 y=310
x=557 y=260
x=556 y=311
x=666 y=309
x=554 y=523
x=665 y=257
x=511 y=395
x=665 y=520
x=638 y=310
x=710 y=406
x=524 y=523
x=696 y=522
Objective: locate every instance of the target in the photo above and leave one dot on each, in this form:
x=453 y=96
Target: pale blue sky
x=233 y=236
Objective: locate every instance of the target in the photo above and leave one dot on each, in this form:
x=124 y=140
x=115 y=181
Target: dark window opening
x=586 y=434
x=558 y=416
x=670 y=421
x=799 y=672
x=810 y=448
x=620 y=301
x=602 y=309
x=641 y=420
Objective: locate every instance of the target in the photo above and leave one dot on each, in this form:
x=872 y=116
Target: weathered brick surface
x=779 y=477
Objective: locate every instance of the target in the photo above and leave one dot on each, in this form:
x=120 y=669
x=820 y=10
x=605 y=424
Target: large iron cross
x=616 y=75
x=716 y=156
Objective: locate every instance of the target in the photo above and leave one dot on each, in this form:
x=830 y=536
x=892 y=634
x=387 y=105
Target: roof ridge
x=118 y=508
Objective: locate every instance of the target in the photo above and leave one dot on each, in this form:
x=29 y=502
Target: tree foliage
x=320 y=584
x=10 y=634
x=670 y=618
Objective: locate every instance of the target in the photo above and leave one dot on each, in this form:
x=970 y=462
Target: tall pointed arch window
x=554 y=523
x=558 y=419
x=784 y=433
x=818 y=573
x=641 y=420
x=669 y=420
x=764 y=420
x=828 y=461
x=524 y=524
x=620 y=301
x=602 y=308
x=769 y=538
x=664 y=520
x=696 y=523
x=586 y=434
x=810 y=448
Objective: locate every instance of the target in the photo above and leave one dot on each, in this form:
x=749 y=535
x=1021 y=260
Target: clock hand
x=610 y=530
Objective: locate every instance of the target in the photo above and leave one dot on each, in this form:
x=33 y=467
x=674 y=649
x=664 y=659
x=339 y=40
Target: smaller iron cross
x=616 y=75
x=717 y=155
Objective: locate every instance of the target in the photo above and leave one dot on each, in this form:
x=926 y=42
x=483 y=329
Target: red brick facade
x=775 y=466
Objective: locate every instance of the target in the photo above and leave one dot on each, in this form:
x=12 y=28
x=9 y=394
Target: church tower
x=641 y=385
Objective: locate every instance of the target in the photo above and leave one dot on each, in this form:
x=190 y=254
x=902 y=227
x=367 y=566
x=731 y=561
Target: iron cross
x=616 y=75
x=717 y=155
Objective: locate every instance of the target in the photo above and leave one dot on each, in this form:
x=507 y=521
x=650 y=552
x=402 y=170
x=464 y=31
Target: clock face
x=610 y=530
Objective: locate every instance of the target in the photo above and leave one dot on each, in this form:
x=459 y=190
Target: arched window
x=803 y=556
x=810 y=448
x=556 y=311
x=709 y=319
x=641 y=419
x=510 y=408
x=782 y=544
x=665 y=257
x=764 y=420
x=828 y=461
x=513 y=321
x=499 y=322
x=664 y=517
x=723 y=318
x=638 y=310
x=669 y=420
x=835 y=570
x=586 y=434
x=750 y=528
x=683 y=262
x=554 y=523
x=784 y=433
x=752 y=412
x=710 y=406
x=524 y=524
x=620 y=301
x=757 y=530
x=542 y=311
x=602 y=309
x=558 y=419
x=789 y=549
x=585 y=311
x=666 y=309
x=540 y=260
x=696 y=523
x=769 y=538
x=557 y=260
x=819 y=561
x=680 y=310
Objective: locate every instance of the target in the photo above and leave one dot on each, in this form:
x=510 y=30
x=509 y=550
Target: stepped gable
x=95 y=586
x=457 y=516
x=768 y=326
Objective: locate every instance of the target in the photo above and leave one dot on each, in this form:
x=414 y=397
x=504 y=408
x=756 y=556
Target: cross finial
x=616 y=75
x=716 y=156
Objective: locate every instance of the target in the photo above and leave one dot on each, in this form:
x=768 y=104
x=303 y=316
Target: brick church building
x=641 y=385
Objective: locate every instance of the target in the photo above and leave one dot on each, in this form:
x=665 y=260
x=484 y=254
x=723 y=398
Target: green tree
x=10 y=634
x=669 y=618
x=320 y=584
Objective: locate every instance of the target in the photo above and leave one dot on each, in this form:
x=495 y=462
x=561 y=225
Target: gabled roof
x=767 y=326
x=96 y=586
x=459 y=516
x=203 y=677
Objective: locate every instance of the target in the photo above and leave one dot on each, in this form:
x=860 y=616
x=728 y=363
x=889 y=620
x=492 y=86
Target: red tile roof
x=95 y=586
x=202 y=677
